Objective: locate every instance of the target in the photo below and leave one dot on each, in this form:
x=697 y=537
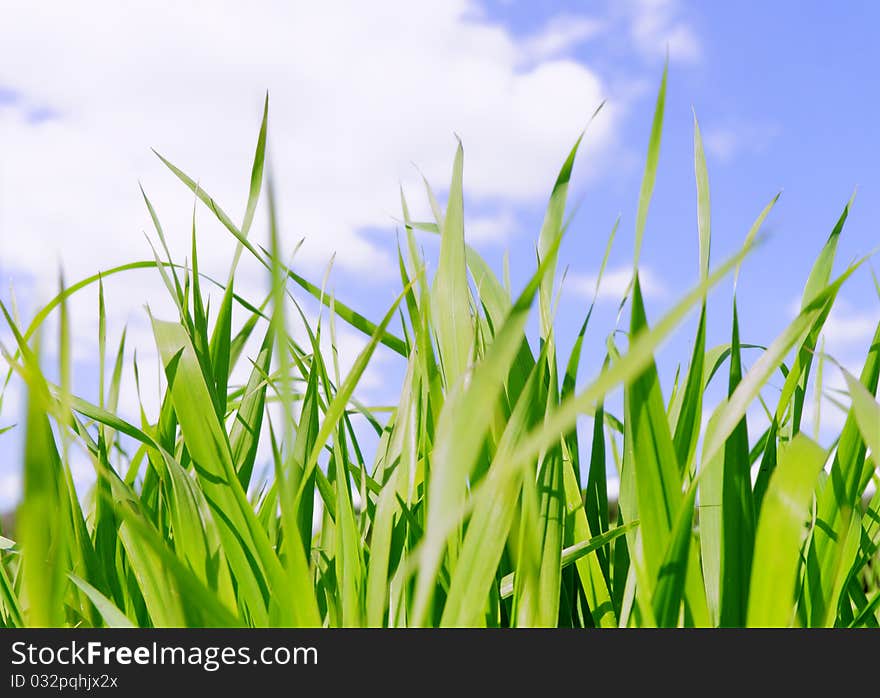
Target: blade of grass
x=780 y=534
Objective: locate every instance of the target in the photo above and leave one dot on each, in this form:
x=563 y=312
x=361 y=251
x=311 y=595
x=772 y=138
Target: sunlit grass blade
x=450 y=296
x=575 y=552
x=113 y=617
x=251 y=559
x=650 y=174
x=650 y=452
x=780 y=534
x=462 y=425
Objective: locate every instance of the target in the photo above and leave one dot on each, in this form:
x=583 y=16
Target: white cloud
x=722 y=143
x=831 y=419
x=615 y=282
x=727 y=141
x=847 y=331
x=13 y=399
x=10 y=488
x=559 y=35
x=847 y=327
x=496 y=228
x=657 y=25
x=358 y=92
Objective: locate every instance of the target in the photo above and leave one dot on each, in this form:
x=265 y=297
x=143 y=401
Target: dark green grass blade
x=650 y=452
x=669 y=592
x=244 y=435
x=737 y=507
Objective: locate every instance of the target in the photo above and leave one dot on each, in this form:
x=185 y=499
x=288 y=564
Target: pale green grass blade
x=465 y=417
x=354 y=318
x=343 y=395
x=492 y=295
x=817 y=391
x=703 y=204
x=639 y=356
x=756 y=227
x=113 y=617
x=780 y=534
x=295 y=556
x=10 y=609
x=251 y=558
x=551 y=229
x=650 y=451
x=450 y=294
x=102 y=341
x=495 y=505
x=552 y=515
x=575 y=552
x=794 y=390
x=65 y=293
x=866 y=411
x=349 y=564
x=415 y=258
x=732 y=410
x=213 y=206
x=349 y=553
x=380 y=554
x=403 y=445
x=820 y=274
x=687 y=410
x=255 y=186
x=174 y=596
x=650 y=174
x=42 y=514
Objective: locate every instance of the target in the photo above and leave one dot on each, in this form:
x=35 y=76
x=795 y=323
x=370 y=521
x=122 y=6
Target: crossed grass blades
x=474 y=511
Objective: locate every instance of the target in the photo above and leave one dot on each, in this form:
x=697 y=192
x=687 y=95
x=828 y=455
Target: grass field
x=483 y=505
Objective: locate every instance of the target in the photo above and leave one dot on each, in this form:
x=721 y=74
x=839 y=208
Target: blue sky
x=784 y=93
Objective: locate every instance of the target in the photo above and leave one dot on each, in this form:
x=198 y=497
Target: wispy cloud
x=847 y=326
x=847 y=330
x=491 y=228
x=614 y=283
x=734 y=138
x=658 y=25
x=10 y=488
x=559 y=35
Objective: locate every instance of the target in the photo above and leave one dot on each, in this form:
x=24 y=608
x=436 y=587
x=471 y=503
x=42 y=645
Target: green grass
x=484 y=506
